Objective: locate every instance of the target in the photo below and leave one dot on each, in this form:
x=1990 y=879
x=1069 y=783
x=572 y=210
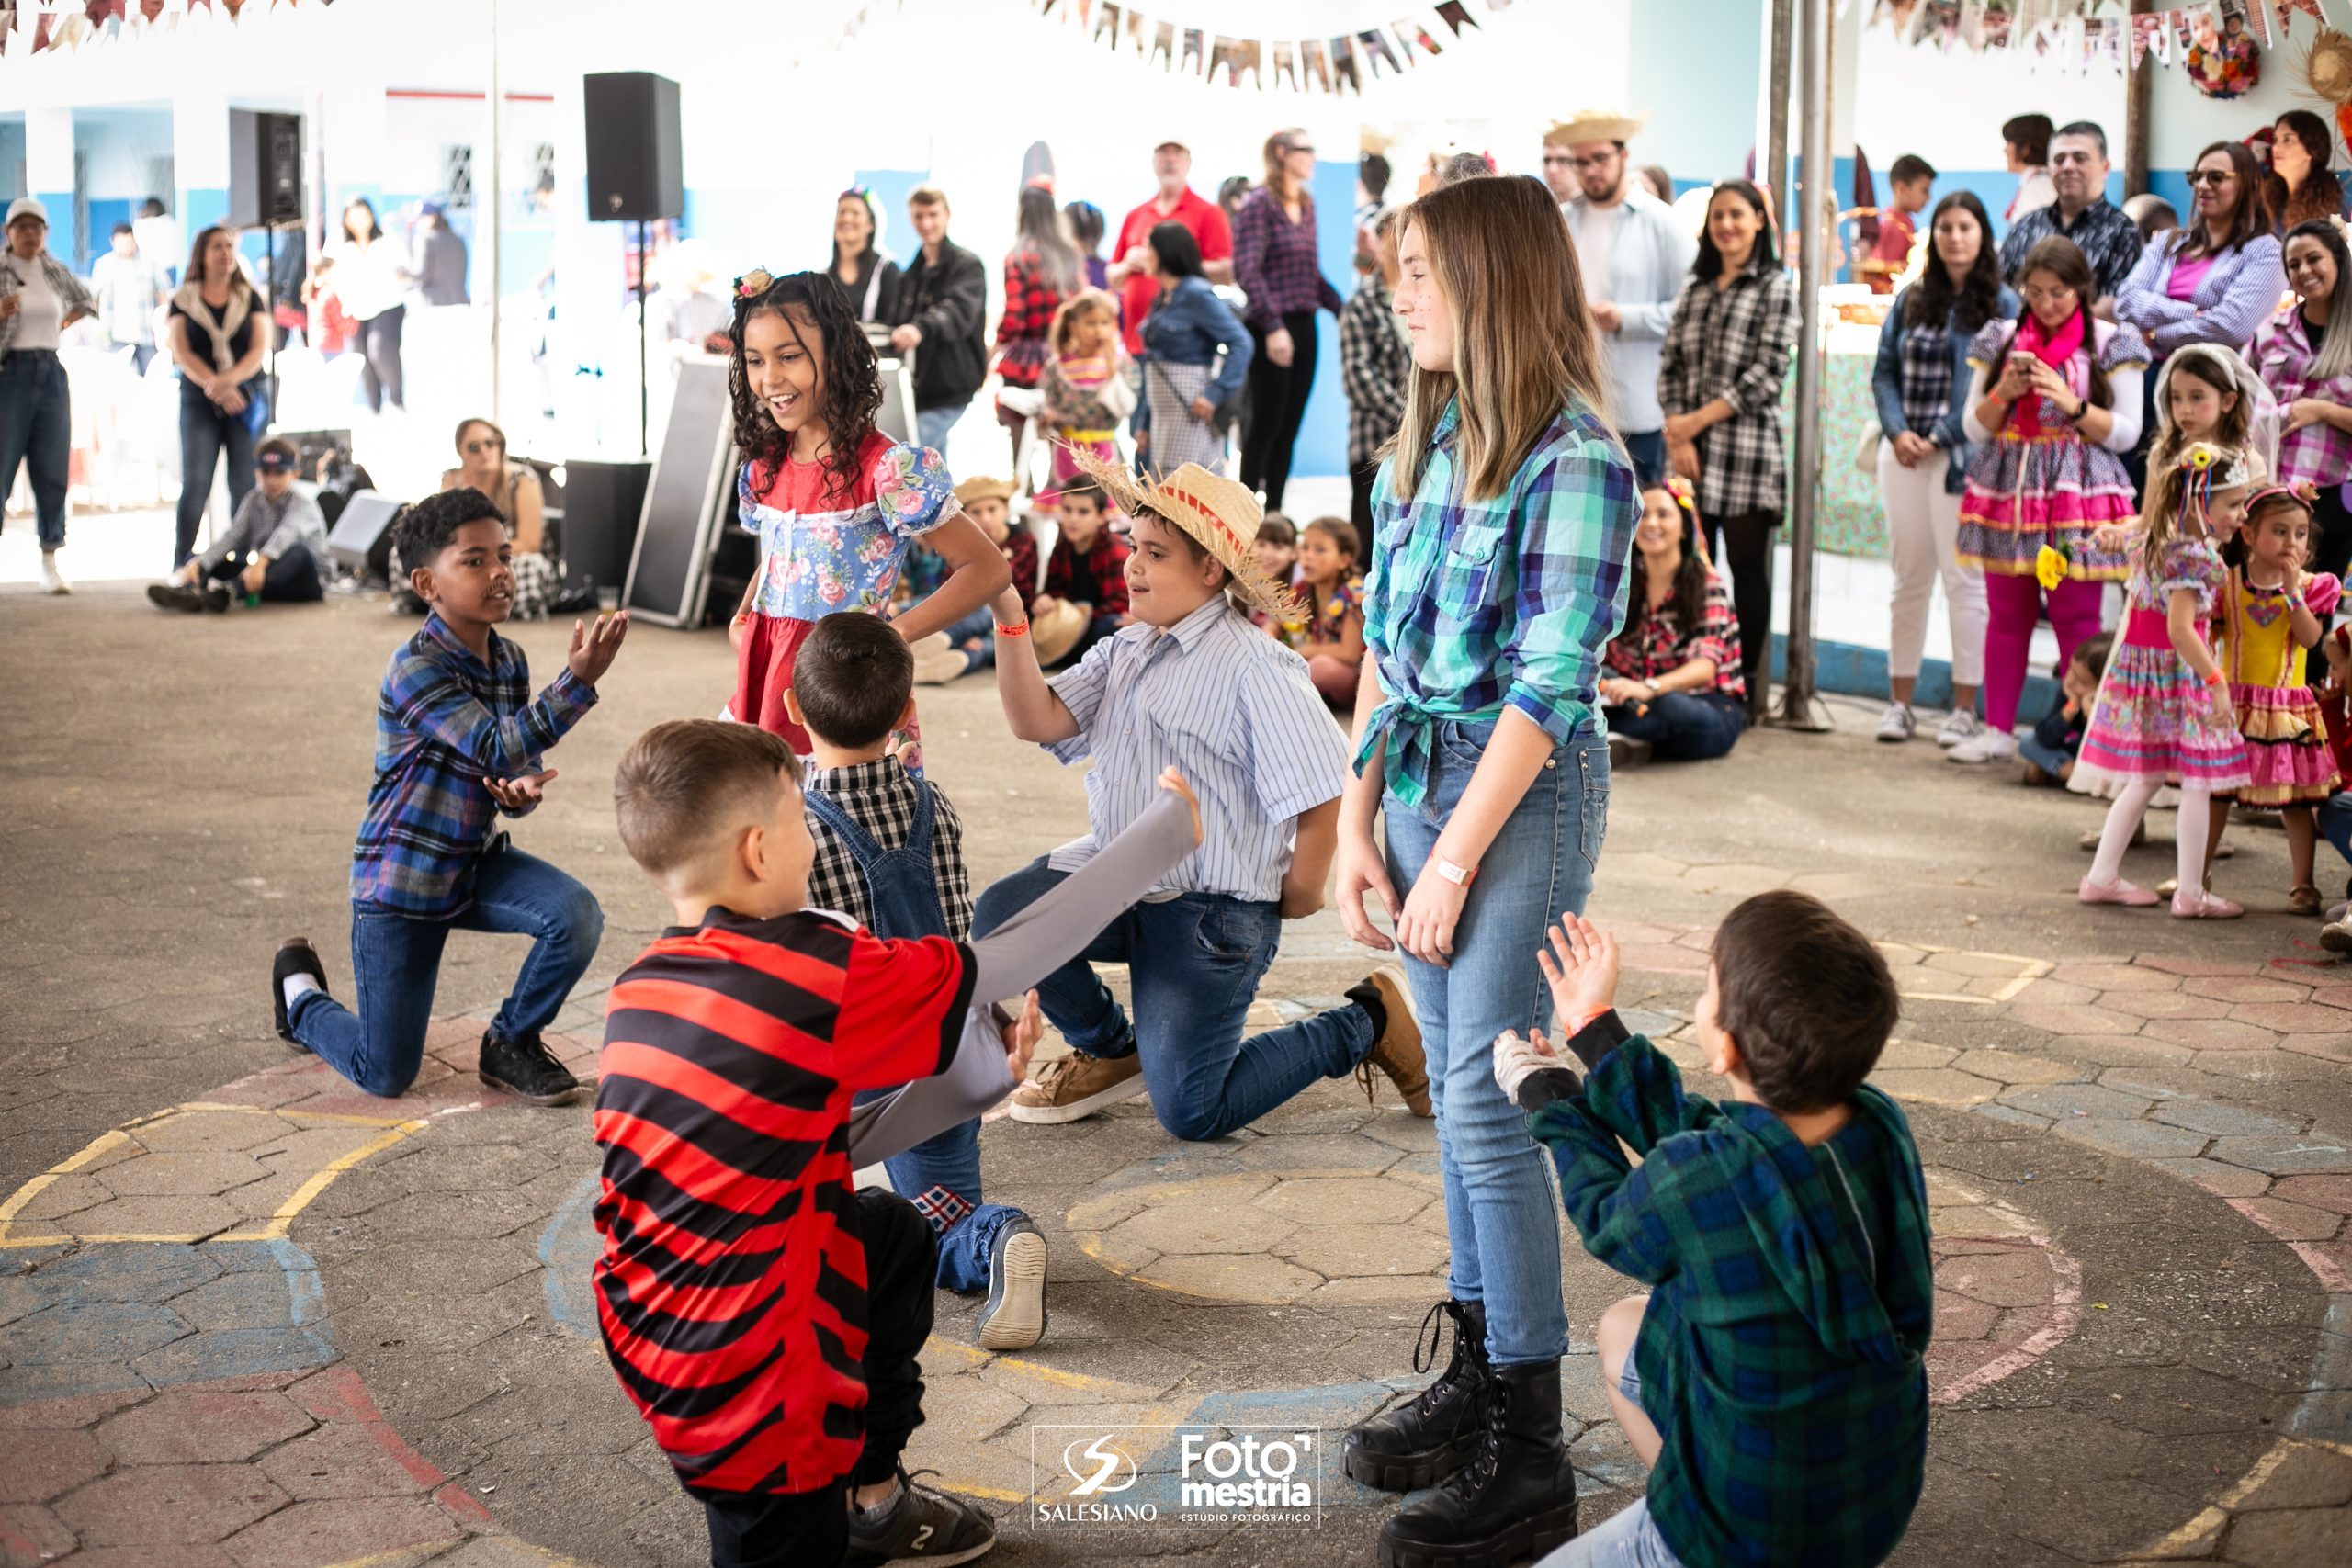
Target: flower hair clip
x=1684 y=496
x=753 y=283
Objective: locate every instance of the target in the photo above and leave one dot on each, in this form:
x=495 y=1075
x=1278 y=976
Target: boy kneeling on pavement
x=272 y=552
x=1773 y=1376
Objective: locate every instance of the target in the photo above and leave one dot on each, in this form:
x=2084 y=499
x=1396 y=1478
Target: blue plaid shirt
x=1476 y=606
x=445 y=720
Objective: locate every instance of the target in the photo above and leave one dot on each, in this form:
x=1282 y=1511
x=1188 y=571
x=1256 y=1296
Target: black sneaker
x=1013 y=1317
x=295 y=956
x=216 y=598
x=922 y=1526
x=176 y=596
x=527 y=1069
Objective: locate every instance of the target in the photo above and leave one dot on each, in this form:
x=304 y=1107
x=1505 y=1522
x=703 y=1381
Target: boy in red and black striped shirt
x=764 y=1316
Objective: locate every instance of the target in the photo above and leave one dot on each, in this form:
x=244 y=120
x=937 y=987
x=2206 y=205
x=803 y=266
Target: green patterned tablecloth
x=1849 y=522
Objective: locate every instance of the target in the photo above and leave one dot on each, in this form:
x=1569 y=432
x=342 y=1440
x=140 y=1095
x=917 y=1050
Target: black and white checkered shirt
x=2108 y=240
x=879 y=797
x=1735 y=343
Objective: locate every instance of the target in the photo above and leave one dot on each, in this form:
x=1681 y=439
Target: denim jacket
x=1189 y=326
x=1886 y=383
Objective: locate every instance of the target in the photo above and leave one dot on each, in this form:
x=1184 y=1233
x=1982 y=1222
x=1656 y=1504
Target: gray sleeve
x=974 y=1081
x=304 y=523
x=1057 y=928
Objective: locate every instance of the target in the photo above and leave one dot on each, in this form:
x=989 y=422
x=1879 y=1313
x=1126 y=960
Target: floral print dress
x=825 y=549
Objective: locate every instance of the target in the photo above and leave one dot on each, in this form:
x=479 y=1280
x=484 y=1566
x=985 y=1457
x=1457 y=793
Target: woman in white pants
x=1921 y=382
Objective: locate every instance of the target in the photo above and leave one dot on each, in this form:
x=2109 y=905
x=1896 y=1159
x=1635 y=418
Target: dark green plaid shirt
x=1781 y=1357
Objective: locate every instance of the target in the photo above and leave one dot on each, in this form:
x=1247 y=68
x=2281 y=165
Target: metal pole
x=1816 y=211
x=490 y=201
x=644 y=437
x=1775 y=172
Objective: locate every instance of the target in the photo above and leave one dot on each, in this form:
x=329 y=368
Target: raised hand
x=1581 y=970
x=1021 y=1037
x=516 y=795
x=593 y=647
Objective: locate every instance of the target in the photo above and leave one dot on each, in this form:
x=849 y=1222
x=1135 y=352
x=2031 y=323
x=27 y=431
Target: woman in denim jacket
x=1921 y=383
x=1182 y=382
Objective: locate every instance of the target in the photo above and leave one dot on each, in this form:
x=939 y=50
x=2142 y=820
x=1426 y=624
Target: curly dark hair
x=849 y=389
x=426 y=529
x=1934 y=300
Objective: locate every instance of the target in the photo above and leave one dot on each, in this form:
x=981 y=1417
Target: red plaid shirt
x=1655 y=642
x=1098 y=577
x=1030 y=301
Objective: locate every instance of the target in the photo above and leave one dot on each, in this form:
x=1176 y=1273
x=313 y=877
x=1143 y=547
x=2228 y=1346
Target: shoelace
x=1480 y=1472
x=537 y=1050
x=1425 y=1357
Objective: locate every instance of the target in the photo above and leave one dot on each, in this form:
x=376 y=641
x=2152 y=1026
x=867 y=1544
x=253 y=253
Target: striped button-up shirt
x=1232 y=710
x=1474 y=606
x=447 y=719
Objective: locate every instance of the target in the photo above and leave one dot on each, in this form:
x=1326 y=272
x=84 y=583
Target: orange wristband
x=1020 y=630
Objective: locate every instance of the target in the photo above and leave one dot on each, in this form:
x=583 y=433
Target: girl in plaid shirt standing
x=1719 y=380
x=1041 y=271
x=1503 y=519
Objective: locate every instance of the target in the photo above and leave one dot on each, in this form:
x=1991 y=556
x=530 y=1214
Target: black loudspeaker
x=602 y=505
x=265 y=169
x=636 y=168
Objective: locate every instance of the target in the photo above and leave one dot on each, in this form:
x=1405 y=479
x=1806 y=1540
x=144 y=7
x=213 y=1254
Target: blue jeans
x=2335 y=822
x=291 y=579
x=1627 y=1539
x=932 y=425
x=976 y=635
x=37 y=429
x=2049 y=758
x=395 y=960
x=205 y=434
x=1193 y=964
x=1647 y=449
x=1501 y=1215
x=1683 y=726
x=941 y=1177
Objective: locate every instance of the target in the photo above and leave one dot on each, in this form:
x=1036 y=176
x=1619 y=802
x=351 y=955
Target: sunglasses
x=485 y=447
x=2211 y=177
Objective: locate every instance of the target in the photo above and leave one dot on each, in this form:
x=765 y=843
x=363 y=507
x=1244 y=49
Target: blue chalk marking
x=568 y=1250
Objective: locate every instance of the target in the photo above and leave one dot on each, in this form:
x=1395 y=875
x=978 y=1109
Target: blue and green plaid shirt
x=1781 y=1355
x=1476 y=606
x=445 y=720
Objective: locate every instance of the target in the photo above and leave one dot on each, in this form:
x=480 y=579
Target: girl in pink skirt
x=2163 y=713
x=2053 y=404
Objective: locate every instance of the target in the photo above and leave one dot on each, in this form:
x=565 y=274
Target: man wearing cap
x=1634 y=255
x=39 y=299
x=1130 y=278
x=274 y=549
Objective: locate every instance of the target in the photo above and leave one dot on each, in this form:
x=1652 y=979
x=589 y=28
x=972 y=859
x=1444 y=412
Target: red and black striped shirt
x=731 y=1290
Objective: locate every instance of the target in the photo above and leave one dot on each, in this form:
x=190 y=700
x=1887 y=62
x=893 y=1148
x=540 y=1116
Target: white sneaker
x=1895 y=725
x=1958 y=729
x=1989 y=746
x=52 y=581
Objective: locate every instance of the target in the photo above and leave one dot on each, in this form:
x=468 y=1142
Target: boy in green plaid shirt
x=1773 y=1376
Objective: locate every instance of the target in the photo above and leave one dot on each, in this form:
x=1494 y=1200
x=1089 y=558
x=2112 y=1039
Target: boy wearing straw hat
x=1192 y=683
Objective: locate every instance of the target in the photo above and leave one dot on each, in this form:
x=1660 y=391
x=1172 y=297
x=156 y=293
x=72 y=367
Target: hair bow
x=755 y=282
x=1684 y=496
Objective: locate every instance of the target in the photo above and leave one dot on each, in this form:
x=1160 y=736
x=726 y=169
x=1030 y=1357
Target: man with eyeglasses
x=1634 y=256
x=2108 y=238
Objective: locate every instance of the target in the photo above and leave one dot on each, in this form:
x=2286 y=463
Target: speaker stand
x=644 y=443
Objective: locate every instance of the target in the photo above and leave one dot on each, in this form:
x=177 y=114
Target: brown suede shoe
x=1076 y=1086
x=1397 y=1051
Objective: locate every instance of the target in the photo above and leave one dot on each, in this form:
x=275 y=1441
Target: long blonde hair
x=1524 y=345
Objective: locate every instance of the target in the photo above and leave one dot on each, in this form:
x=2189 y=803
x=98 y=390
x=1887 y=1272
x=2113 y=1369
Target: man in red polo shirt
x=1172 y=161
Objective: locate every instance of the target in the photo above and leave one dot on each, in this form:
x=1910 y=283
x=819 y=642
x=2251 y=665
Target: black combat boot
x=1516 y=1500
x=1419 y=1444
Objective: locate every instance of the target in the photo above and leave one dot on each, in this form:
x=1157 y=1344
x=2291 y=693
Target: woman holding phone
x=2053 y=405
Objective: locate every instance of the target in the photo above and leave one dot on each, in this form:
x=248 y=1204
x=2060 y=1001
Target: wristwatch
x=1460 y=876
x=1651 y=681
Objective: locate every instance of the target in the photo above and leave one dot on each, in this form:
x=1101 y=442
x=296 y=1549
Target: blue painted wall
x=1322 y=448
x=64 y=243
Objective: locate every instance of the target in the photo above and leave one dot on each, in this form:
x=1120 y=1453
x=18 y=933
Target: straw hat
x=1595 y=125
x=1219 y=514
x=2328 y=65
x=1056 y=631
x=984 y=489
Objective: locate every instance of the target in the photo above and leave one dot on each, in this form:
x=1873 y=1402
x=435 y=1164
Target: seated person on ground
x=274 y=550
x=1772 y=1377
x=1673 y=674
x=1084 y=597
x=2057 y=736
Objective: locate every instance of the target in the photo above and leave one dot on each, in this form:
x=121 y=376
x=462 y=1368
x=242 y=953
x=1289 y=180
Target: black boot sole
x=1408 y=1472
x=562 y=1097
x=1525 y=1539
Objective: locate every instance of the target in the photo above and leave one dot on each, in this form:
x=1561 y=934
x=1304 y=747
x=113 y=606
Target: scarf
x=2056 y=351
x=190 y=302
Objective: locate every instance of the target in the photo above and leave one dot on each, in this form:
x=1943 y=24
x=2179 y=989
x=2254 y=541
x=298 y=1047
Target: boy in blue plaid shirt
x=458 y=738
x=1773 y=1376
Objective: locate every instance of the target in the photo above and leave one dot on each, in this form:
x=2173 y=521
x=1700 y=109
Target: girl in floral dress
x=2163 y=711
x=1087 y=391
x=834 y=501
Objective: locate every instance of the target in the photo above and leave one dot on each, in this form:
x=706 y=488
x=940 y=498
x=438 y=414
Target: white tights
x=2190 y=831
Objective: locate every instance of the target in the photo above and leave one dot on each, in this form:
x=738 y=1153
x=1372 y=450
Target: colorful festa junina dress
x=2286 y=738
x=824 y=549
x=2051 y=487
x=1086 y=397
x=2153 y=716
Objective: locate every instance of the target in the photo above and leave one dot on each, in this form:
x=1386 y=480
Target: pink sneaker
x=2116 y=892
x=2194 y=906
